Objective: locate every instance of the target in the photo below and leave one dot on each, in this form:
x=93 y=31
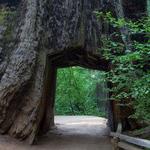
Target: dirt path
x=71 y=133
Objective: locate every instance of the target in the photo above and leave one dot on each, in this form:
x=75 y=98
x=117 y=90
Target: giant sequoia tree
x=46 y=33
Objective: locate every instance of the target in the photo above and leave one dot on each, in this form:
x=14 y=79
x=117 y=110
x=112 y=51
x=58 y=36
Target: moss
x=4 y=13
x=7 y=19
x=8 y=34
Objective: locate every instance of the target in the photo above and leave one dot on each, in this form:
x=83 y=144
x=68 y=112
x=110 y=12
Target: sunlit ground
x=88 y=125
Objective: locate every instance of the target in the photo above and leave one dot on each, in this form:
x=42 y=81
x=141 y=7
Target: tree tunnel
x=47 y=35
x=68 y=58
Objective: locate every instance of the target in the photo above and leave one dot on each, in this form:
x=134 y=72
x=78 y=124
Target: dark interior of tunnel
x=79 y=57
x=68 y=58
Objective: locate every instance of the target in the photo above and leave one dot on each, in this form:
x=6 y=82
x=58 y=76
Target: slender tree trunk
x=124 y=30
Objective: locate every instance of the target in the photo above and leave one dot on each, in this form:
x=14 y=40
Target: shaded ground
x=71 y=133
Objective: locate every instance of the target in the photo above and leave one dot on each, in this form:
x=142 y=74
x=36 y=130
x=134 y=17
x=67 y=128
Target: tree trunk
x=45 y=31
x=43 y=27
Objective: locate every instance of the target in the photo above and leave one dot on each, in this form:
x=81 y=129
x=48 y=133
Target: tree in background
x=80 y=92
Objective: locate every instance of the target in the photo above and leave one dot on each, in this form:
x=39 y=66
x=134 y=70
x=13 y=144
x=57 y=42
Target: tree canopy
x=81 y=92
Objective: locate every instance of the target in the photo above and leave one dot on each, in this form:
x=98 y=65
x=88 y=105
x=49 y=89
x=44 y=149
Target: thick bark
x=46 y=29
x=19 y=95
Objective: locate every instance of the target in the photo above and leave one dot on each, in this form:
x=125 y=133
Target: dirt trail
x=71 y=133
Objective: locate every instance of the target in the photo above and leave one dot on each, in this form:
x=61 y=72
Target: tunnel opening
x=70 y=58
x=80 y=102
x=81 y=91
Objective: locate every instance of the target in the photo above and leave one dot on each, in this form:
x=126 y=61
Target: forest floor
x=70 y=133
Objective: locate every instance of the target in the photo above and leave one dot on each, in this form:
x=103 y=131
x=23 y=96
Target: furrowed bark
x=47 y=30
x=18 y=111
x=47 y=27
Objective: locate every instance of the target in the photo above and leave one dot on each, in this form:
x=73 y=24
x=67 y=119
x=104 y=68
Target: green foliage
x=130 y=73
x=75 y=93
